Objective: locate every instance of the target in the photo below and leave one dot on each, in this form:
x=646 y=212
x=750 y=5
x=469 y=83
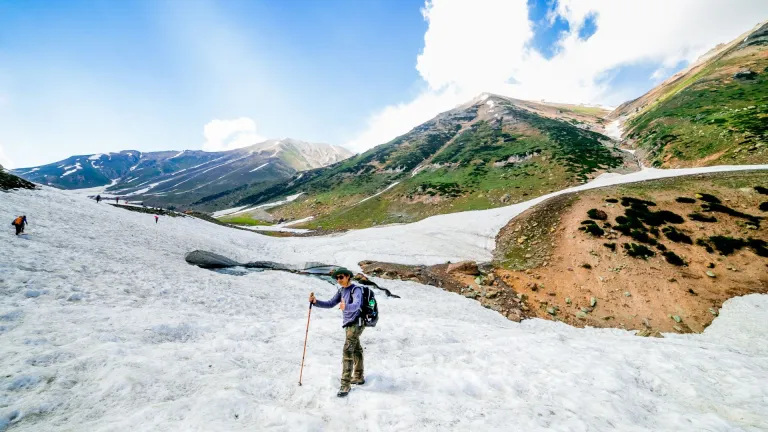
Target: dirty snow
x=228 y=211
x=283 y=227
x=286 y=200
x=109 y=329
x=614 y=129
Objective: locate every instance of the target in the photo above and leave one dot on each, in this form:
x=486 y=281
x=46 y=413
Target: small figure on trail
x=117 y=200
x=19 y=223
x=349 y=299
x=98 y=198
x=156 y=218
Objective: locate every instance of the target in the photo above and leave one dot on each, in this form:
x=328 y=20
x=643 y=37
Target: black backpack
x=369 y=310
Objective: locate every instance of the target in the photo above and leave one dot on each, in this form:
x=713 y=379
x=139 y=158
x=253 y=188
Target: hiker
x=117 y=200
x=19 y=223
x=349 y=299
x=98 y=198
x=156 y=218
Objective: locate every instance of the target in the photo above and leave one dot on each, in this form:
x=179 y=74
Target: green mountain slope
x=493 y=151
x=715 y=112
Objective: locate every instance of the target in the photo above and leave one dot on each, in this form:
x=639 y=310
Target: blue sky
x=80 y=77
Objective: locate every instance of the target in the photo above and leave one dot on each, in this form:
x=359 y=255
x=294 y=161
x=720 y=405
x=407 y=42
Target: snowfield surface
x=104 y=327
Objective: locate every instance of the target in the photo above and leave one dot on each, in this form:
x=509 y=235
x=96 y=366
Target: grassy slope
x=10 y=181
x=559 y=155
x=709 y=117
x=243 y=220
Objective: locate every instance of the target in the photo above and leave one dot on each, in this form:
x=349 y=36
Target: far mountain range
x=181 y=177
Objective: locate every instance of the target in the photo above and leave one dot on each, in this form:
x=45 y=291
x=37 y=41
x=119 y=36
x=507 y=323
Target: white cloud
x=483 y=46
x=223 y=135
x=5 y=161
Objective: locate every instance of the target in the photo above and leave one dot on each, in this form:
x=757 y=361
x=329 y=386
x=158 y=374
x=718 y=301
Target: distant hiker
x=117 y=200
x=156 y=218
x=349 y=298
x=98 y=198
x=19 y=224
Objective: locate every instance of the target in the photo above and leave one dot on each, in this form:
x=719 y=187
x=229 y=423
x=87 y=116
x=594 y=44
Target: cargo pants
x=352 y=358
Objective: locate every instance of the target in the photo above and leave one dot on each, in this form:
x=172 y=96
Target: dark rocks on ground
x=464 y=267
x=745 y=74
x=10 y=181
x=597 y=214
x=209 y=260
x=493 y=293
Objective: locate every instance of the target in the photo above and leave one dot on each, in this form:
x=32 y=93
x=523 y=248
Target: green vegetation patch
x=674 y=258
x=638 y=251
x=243 y=220
x=719 y=208
x=707 y=114
x=698 y=217
x=676 y=236
x=708 y=198
x=597 y=214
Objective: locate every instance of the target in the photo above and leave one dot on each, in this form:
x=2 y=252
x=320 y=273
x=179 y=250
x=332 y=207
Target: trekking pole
x=305 y=344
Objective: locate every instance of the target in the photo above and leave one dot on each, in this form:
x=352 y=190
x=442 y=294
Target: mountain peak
x=301 y=155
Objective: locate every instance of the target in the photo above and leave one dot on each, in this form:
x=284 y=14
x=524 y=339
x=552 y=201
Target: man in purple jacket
x=349 y=299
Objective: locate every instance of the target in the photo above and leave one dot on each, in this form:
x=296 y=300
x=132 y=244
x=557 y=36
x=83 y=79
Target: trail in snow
x=378 y=193
x=283 y=227
x=107 y=328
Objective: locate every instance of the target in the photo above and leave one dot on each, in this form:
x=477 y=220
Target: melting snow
x=74 y=169
x=96 y=157
x=259 y=167
x=228 y=211
x=378 y=193
x=287 y=199
x=126 y=336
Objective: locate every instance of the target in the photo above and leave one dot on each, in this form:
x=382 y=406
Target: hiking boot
x=358 y=381
x=343 y=392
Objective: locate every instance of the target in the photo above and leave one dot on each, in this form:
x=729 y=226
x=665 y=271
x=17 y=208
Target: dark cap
x=341 y=271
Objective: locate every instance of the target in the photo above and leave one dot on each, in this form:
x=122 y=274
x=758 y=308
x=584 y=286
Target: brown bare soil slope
x=571 y=275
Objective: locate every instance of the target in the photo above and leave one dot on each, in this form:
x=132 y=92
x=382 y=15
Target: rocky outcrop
x=485 y=288
x=213 y=261
x=10 y=181
x=209 y=260
x=464 y=267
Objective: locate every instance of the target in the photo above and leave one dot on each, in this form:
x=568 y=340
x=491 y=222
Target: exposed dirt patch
x=548 y=265
x=491 y=291
x=628 y=292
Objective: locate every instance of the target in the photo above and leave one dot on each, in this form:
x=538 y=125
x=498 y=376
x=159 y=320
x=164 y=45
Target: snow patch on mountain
x=74 y=169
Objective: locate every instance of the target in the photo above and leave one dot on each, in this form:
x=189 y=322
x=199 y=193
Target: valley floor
x=104 y=327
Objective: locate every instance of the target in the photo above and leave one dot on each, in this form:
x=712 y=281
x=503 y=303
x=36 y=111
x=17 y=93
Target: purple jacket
x=353 y=298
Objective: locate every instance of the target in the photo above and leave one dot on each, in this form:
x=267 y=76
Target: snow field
x=104 y=327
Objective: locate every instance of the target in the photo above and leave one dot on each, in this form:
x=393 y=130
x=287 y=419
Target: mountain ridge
x=178 y=177
x=488 y=152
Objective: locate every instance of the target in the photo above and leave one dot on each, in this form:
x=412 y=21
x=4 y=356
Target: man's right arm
x=330 y=303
